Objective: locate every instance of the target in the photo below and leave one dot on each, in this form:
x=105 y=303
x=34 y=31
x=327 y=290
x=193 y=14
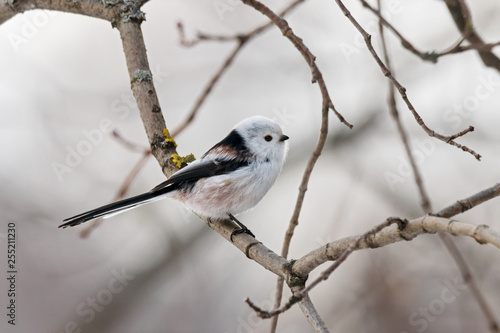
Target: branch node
x=477 y=232
x=130 y=12
x=450 y=227
x=292 y=278
x=370 y=241
x=249 y=246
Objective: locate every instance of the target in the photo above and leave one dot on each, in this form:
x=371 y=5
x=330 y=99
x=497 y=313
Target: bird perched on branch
x=230 y=178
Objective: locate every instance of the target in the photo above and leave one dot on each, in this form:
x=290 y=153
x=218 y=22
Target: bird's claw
x=241 y=231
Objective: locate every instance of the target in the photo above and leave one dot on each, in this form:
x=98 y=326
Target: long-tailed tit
x=230 y=178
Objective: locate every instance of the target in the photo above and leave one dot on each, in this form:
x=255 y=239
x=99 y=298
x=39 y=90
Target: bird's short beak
x=284 y=137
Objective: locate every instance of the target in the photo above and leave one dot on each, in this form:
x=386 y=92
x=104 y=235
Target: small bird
x=230 y=178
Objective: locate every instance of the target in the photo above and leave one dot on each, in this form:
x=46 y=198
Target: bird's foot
x=243 y=230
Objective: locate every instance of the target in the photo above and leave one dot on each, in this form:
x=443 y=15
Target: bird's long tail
x=114 y=208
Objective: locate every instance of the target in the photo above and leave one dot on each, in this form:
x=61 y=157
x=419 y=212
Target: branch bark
x=449 y=139
x=460 y=13
x=317 y=76
x=141 y=79
x=427 y=224
x=10 y=8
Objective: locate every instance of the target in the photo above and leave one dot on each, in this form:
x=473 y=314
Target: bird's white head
x=263 y=138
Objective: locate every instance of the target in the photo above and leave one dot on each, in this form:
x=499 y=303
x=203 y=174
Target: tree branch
x=382 y=235
x=97 y=9
x=445 y=238
x=402 y=90
x=144 y=92
x=317 y=76
x=294 y=221
x=460 y=13
x=126 y=16
x=427 y=224
x=312 y=315
x=241 y=39
x=484 y=49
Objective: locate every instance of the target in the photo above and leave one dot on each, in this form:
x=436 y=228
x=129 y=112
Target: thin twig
x=129 y=145
x=317 y=76
x=470 y=279
x=460 y=13
x=406 y=44
x=294 y=221
x=425 y=201
x=402 y=90
x=331 y=251
x=326 y=273
x=431 y=56
x=208 y=88
x=146 y=153
x=461 y=206
x=445 y=238
x=327 y=104
x=241 y=39
x=477 y=47
x=312 y=315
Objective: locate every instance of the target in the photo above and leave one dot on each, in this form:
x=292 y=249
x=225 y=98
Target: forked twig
x=461 y=14
x=402 y=90
x=433 y=56
x=424 y=198
x=327 y=104
x=317 y=76
x=241 y=39
x=446 y=239
x=326 y=273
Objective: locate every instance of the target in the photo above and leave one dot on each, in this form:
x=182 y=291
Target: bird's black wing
x=226 y=156
x=196 y=171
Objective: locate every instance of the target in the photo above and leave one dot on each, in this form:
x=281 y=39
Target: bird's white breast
x=231 y=193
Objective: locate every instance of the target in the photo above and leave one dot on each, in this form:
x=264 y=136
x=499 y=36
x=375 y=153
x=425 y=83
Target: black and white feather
x=230 y=178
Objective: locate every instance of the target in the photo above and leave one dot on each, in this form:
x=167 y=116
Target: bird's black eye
x=268 y=138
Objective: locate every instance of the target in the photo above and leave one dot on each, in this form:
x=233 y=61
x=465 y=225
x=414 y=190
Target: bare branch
x=424 y=198
x=433 y=56
x=305 y=305
x=208 y=88
x=145 y=94
x=312 y=315
x=446 y=239
x=307 y=263
x=467 y=275
x=241 y=39
x=294 y=221
x=461 y=206
x=460 y=13
x=402 y=90
x=251 y=247
x=406 y=44
x=317 y=76
x=299 y=296
x=426 y=224
x=129 y=145
x=95 y=9
x=310 y=58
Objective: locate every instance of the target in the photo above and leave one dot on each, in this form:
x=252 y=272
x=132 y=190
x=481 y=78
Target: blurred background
x=161 y=269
